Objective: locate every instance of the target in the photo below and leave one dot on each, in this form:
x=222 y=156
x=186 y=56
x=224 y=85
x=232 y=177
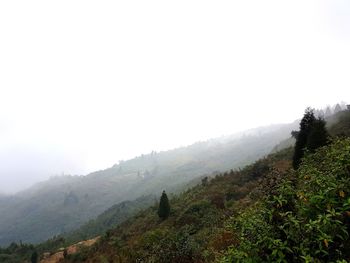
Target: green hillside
x=265 y=213
x=195 y=229
x=65 y=203
x=304 y=219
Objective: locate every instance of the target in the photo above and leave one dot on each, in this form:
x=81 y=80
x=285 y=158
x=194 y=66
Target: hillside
x=304 y=219
x=266 y=212
x=208 y=221
x=109 y=218
x=64 y=203
x=338 y=125
x=196 y=226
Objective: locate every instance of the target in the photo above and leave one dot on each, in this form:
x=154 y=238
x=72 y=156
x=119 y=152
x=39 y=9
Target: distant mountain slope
x=109 y=218
x=339 y=124
x=64 y=203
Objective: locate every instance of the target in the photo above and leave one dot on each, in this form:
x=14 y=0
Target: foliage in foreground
x=306 y=219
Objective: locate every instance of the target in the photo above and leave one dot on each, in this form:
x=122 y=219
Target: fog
x=84 y=84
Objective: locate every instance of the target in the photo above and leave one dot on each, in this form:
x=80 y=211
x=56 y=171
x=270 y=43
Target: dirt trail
x=55 y=258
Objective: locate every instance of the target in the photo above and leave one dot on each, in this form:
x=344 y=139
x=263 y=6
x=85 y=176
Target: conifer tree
x=164 y=207
x=302 y=136
x=318 y=136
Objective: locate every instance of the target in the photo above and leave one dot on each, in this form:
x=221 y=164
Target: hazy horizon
x=84 y=85
x=236 y=133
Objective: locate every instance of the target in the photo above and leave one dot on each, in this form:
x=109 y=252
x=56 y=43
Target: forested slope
x=64 y=203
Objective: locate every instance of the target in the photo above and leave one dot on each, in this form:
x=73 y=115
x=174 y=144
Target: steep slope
x=210 y=218
x=65 y=203
x=264 y=213
x=305 y=218
x=195 y=230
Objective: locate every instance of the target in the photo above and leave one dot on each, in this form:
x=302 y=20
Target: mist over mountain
x=63 y=203
x=76 y=110
x=24 y=164
x=131 y=123
x=207 y=202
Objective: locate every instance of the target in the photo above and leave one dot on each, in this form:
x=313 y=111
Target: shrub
x=307 y=219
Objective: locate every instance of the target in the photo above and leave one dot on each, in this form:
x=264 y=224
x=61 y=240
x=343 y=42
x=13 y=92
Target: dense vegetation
x=306 y=216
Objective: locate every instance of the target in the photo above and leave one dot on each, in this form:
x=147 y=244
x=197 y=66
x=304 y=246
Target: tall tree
x=301 y=140
x=164 y=207
x=318 y=136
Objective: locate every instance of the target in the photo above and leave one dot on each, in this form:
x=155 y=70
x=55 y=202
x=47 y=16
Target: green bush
x=306 y=220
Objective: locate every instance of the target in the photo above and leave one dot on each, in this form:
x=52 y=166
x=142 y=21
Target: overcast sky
x=84 y=84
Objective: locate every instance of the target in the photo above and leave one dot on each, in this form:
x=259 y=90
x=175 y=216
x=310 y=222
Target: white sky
x=84 y=84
